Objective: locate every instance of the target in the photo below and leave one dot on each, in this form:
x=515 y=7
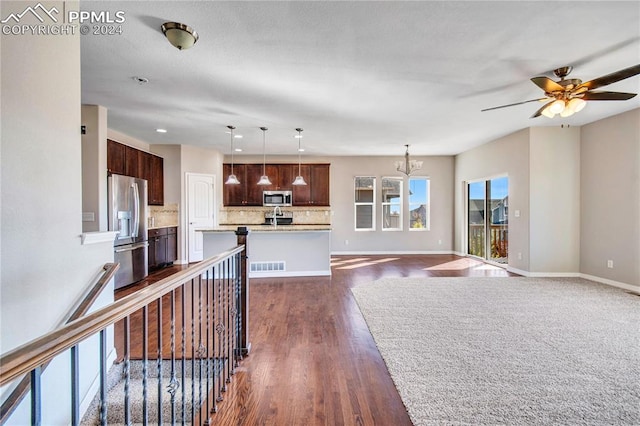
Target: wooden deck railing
x=206 y=307
x=499 y=240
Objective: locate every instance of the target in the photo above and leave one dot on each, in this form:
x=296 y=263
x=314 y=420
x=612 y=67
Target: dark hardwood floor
x=313 y=360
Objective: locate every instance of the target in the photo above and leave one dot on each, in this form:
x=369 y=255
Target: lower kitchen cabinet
x=163 y=247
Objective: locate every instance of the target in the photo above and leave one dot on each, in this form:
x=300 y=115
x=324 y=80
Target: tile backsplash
x=161 y=216
x=255 y=215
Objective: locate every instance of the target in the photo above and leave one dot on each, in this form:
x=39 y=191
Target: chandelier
x=408 y=166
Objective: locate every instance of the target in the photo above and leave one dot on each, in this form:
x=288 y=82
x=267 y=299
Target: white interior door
x=200 y=212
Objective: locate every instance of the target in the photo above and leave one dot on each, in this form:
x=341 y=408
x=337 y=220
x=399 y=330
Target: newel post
x=243 y=236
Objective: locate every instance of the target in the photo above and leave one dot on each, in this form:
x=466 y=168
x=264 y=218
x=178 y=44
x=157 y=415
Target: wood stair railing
x=16 y=396
x=220 y=285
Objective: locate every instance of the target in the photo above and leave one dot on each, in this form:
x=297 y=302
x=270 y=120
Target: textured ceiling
x=362 y=78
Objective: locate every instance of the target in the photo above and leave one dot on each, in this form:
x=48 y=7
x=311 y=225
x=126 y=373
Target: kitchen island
x=282 y=251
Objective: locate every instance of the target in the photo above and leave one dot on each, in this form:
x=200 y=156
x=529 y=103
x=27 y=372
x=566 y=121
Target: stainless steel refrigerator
x=127 y=215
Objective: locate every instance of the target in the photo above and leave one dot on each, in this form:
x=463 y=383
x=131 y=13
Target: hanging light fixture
x=179 y=35
x=408 y=166
x=232 y=179
x=299 y=179
x=264 y=179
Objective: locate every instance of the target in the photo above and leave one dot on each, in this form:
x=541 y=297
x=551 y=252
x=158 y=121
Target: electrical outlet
x=519 y=256
x=346 y=242
x=439 y=242
x=610 y=264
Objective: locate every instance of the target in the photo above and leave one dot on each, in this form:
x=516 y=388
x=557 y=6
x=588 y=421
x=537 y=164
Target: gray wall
x=505 y=156
x=345 y=239
x=610 y=198
x=554 y=200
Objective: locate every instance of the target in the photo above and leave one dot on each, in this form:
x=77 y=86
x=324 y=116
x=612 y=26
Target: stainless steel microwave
x=276 y=198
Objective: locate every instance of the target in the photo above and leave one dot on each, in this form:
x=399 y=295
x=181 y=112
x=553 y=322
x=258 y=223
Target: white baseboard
x=543 y=274
x=632 y=288
x=388 y=253
x=283 y=274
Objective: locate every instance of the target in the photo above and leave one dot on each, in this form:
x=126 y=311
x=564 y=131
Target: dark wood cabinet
x=156 y=181
x=316 y=191
x=128 y=161
x=163 y=247
x=249 y=193
x=115 y=157
x=131 y=162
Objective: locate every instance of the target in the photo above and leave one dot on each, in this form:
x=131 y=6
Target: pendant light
x=264 y=179
x=408 y=166
x=232 y=179
x=299 y=179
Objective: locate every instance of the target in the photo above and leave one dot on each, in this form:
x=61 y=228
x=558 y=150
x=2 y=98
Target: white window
x=418 y=204
x=365 y=201
x=392 y=203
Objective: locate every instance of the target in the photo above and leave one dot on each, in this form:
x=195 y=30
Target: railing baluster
x=173 y=385
x=184 y=349
x=214 y=336
x=103 y=377
x=159 y=358
x=200 y=344
x=210 y=410
x=227 y=331
x=36 y=396
x=75 y=391
x=127 y=369
x=145 y=357
x=193 y=351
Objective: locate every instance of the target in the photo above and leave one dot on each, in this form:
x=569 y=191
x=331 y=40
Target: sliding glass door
x=488 y=219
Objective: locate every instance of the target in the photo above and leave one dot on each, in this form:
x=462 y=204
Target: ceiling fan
x=568 y=96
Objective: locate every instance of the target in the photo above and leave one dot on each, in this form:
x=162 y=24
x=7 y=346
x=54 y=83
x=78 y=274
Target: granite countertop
x=161 y=226
x=268 y=228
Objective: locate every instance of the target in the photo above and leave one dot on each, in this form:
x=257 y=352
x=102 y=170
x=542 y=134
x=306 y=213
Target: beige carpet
x=508 y=350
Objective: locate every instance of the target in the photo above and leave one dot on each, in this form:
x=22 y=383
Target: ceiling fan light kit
x=568 y=96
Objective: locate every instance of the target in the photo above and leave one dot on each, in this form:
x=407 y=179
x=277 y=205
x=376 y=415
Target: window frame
x=427 y=204
x=399 y=204
x=371 y=203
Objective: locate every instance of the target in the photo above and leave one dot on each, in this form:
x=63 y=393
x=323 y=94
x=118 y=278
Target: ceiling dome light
x=180 y=35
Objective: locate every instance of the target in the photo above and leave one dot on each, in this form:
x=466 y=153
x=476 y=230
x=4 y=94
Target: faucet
x=276 y=209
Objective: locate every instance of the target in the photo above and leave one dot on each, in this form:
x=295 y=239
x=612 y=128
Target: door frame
x=487 y=248
x=186 y=233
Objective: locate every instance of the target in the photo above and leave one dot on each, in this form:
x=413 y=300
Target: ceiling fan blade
x=611 y=78
x=539 y=112
x=517 y=103
x=607 y=96
x=546 y=84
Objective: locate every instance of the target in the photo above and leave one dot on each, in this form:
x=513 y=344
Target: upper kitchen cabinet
x=115 y=157
x=316 y=191
x=249 y=193
x=128 y=161
x=156 y=181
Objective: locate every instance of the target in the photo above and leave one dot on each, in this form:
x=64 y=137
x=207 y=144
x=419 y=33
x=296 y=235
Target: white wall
x=94 y=167
x=610 y=198
x=554 y=199
x=41 y=256
x=505 y=156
